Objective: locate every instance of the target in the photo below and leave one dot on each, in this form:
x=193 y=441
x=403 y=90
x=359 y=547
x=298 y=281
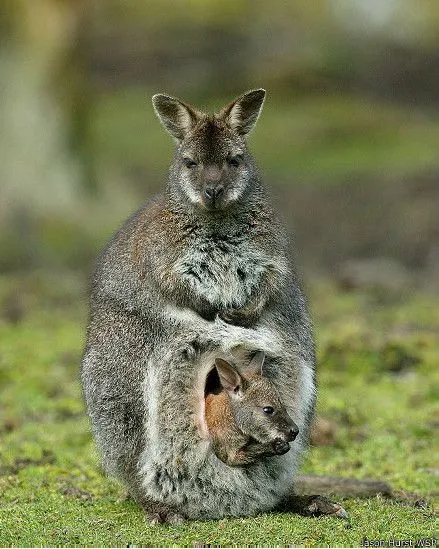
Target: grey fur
x=185 y=278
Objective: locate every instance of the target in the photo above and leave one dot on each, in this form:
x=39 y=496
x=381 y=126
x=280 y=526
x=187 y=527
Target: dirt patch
x=9 y=424
x=47 y=458
x=75 y=492
x=396 y=358
x=323 y=432
x=385 y=218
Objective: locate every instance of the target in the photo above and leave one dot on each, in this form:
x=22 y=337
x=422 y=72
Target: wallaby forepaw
x=319 y=505
x=193 y=349
x=238 y=317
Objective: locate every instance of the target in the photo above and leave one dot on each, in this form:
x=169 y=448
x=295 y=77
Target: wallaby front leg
x=247 y=316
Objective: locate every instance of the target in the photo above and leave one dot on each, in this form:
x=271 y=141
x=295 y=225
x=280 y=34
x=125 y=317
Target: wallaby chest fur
x=200 y=269
x=219 y=263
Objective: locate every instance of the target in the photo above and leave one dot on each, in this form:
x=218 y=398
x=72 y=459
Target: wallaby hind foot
x=245 y=317
x=160 y=513
x=313 y=506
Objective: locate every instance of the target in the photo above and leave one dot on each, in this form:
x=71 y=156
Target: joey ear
x=242 y=114
x=177 y=117
x=256 y=363
x=229 y=377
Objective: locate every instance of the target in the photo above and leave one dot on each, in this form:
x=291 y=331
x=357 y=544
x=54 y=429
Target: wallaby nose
x=213 y=192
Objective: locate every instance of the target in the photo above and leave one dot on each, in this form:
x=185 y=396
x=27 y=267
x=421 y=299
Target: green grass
x=378 y=382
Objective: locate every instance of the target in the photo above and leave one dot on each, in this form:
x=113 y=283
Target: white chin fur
x=231 y=196
x=237 y=191
x=189 y=191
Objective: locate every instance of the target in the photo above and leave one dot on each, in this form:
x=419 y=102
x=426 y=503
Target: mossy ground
x=378 y=381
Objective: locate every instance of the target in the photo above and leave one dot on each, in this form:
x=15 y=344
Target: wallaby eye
x=269 y=410
x=235 y=161
x=189 y=163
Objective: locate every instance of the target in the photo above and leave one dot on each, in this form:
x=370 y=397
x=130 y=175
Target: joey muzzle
x=281 y=444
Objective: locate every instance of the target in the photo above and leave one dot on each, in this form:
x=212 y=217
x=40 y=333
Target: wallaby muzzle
x=212 y=195
x=281 y=445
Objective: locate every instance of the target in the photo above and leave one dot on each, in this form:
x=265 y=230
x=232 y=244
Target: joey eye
x=189 y=163
x=235 y=161
x=268 y=410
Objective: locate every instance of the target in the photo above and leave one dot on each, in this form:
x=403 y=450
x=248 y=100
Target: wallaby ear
x=242 y=114
x=177 y=117
x=230 y=378
x=256 y=364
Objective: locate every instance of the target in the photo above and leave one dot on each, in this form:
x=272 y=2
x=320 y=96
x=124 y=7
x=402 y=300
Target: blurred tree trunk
x=42 y=117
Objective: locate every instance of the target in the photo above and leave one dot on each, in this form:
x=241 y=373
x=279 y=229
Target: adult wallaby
x=199 y=268
x=246 y=419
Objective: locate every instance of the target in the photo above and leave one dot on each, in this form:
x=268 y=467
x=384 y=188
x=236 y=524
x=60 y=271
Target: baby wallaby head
x=212 y=168
x=255 y=402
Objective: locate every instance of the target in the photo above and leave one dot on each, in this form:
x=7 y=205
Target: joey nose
x=293 y=432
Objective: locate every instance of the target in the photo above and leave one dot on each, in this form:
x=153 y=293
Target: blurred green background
x=348 y=143
x=348 y=140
